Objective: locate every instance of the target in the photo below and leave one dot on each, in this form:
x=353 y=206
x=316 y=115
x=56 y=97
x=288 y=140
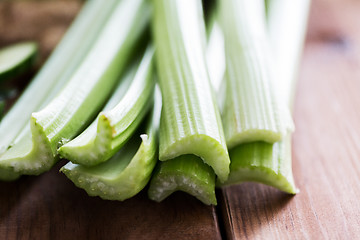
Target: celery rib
x=127 y=172
x=115 y=125
x=271 y=163
x=70 y=111
x=56 y=71
x=251 y=111
x=190 y=120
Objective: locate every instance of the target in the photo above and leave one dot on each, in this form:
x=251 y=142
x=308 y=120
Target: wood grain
x=50 y=206
x=326 y=144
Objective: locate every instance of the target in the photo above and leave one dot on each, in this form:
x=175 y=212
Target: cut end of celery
x=91 y=147
x=211 y=151
x=262 y=162
x=32 y=155
x=186 y=173
x=121 y=177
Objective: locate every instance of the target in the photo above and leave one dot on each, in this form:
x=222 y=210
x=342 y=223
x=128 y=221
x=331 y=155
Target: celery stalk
x=190 y=120
x=56 y=71
x=116 y=124
x=251 y=111
x=87 y=90
x=188 y=173
x=127 y=172
x=271 y=163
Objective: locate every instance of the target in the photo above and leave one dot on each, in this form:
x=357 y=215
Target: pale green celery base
x=262 y=162
x=120 y=178
x=203 y=146
x=186 y=173
x=32 y=155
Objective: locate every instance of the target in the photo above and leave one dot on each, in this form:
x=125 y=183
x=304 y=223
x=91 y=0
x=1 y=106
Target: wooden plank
x=50 y=206
x=326 y=143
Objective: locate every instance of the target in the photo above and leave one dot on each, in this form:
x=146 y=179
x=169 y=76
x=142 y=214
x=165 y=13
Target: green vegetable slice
x=186 y=173
x=57 y=70
x=16 y=59
x=271 y=163
x=87 y=90
x=251 y=111
x=127 y=172
x=190 y=120
x=116 y=124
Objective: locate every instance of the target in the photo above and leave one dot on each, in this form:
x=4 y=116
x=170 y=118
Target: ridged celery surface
x=117 y=122
x=271 y=163
x=251 y=111
x=85 y=93
x=17 y=58
x=190 y=120
x=127 y=172
x=188 y=173
x=56 y=71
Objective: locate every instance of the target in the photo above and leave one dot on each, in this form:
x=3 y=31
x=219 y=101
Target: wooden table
x=326 y=157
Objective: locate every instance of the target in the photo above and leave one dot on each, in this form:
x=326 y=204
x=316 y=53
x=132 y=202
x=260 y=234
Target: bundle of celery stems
x=147 y=92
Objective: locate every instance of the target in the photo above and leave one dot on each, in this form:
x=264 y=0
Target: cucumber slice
x=16 y=59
